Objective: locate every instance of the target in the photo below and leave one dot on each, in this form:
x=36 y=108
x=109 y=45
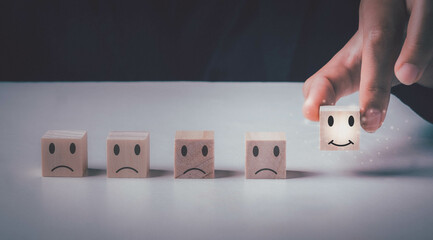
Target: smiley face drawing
x=339 y=128
x=265 y=155
x=64 y=153
x=128 y=154
x=194 y=154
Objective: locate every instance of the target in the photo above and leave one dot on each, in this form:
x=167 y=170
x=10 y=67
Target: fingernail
x=371 y=120
x=407 y=73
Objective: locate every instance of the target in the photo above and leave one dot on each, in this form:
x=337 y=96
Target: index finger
x=382 y=29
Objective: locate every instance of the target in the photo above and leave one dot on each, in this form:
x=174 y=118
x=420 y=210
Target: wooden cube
x=194 y=154
x=64 y=153
x=339 y=128
x=265 y=155
x=128 y=154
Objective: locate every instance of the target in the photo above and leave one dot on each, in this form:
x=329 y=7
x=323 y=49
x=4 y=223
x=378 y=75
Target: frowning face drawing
x=265 y=155
x=128 y=154
x=194 y=154
x=64 y=153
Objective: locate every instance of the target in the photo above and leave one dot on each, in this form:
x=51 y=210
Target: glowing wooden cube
x=339 y=128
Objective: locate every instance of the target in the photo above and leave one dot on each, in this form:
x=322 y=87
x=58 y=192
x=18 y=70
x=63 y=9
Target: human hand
x=393 y=44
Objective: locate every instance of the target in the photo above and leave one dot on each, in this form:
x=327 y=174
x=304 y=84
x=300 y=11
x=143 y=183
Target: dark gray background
x=96 y=40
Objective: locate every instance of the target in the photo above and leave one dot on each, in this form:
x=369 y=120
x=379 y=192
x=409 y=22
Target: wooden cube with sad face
x=128 y=154
x=64 y=153
x=339 y=128
x=194 y=154
x=265 y=155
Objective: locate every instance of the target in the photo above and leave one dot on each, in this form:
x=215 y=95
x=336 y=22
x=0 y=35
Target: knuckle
x=378 y=91
x=381 y=36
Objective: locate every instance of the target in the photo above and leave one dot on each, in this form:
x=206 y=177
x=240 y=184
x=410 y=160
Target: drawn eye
x=276 y=151
x=255 y=151
x=51 y=148
x=351 y=121
x=116 y=149
x=72 y=148
x=204 y=150
x=184 y=150
x=137 y=149
x=330 y=121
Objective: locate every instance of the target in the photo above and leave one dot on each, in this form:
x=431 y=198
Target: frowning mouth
x=340 y=145
x=267 y=169
x=130 y=168
x=198 y=169
x=62 y=166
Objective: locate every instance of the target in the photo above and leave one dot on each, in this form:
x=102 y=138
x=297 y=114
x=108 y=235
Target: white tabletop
x=384 y=190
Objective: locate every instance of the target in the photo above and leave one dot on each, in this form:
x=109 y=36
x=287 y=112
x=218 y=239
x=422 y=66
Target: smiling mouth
x=198 y=169
x=130 y=168
x=340 y=145
x=62 y=166
x=266 y=169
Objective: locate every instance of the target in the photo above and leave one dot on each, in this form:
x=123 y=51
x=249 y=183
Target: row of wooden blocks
x=64 y=153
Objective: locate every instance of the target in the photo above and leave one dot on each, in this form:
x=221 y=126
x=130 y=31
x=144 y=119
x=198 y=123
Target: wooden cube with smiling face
x=339 y=128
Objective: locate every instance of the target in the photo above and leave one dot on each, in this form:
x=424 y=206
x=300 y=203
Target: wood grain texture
x=195 y=135
x=265 y=136
x=194 y=154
